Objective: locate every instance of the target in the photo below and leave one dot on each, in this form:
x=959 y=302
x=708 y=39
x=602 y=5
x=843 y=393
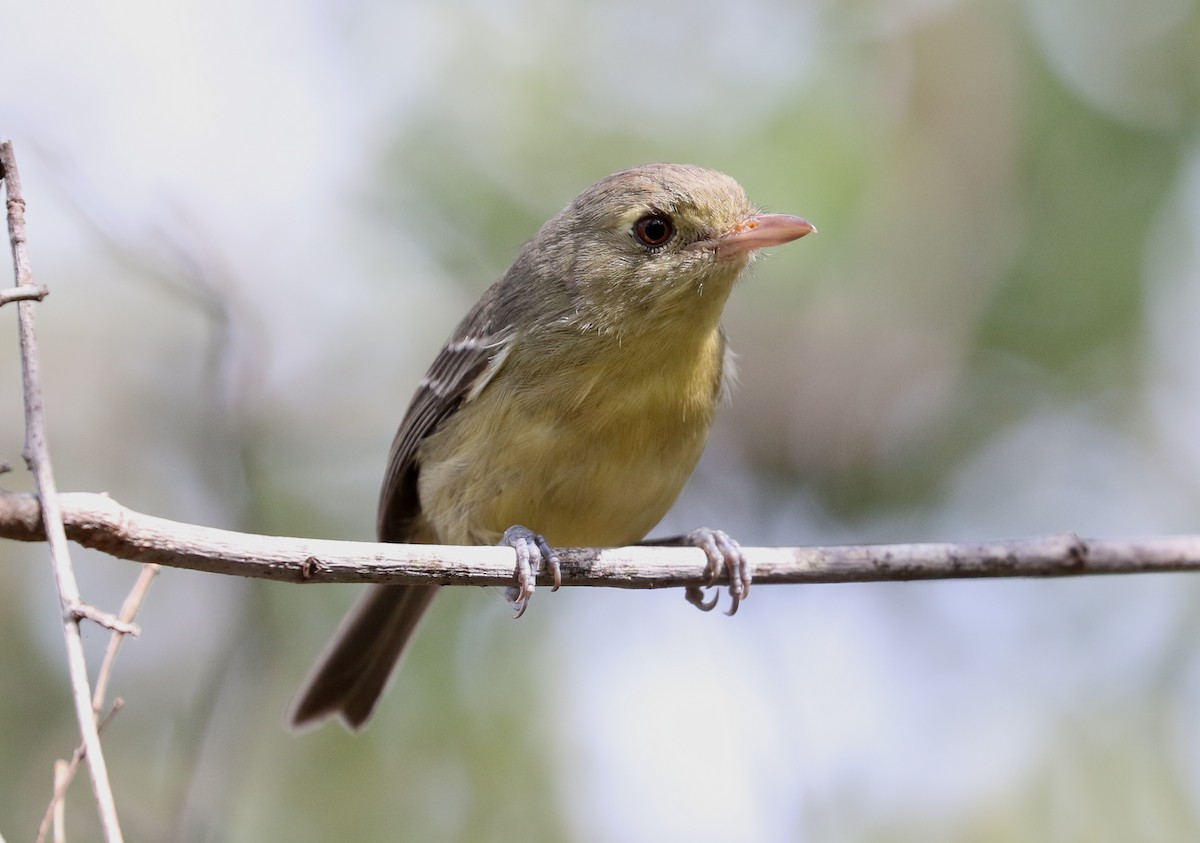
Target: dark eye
x=654 y=229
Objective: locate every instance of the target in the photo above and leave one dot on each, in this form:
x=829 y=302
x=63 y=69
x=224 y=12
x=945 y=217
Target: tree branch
x=37 y=455
x=99 y=522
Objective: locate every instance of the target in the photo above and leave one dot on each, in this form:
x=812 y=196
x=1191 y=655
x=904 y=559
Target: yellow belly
x=587 y=454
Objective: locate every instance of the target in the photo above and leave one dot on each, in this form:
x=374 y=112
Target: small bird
x=568 y=408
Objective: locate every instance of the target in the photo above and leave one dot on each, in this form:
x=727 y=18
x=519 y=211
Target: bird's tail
x=351 y=675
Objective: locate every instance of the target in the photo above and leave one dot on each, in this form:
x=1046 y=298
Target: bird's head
x=655 y=243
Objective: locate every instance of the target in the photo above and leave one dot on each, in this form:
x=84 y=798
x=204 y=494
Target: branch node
x=26 y=292
x=1077 y=553
x=308 y=567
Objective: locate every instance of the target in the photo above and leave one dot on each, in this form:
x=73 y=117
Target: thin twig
x=88 y=612
x=37 y=455
x=129 y=610
x=63 y=773
x=101 y=523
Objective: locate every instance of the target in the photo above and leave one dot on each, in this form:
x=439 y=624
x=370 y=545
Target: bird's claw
x=532 y=550
x=724 y=554
x=694 y=594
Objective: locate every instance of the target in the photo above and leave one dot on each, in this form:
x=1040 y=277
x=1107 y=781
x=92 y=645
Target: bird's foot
x=724 y=554
x=532 y=550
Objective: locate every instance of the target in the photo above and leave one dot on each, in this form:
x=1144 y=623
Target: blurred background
x=259 y=221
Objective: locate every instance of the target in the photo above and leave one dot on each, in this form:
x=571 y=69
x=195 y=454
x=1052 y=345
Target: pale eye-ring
x=654 y=229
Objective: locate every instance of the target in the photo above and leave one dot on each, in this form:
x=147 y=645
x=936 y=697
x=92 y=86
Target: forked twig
x=64 y=771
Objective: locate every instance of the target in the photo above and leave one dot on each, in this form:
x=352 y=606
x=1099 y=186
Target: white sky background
x=254 y=127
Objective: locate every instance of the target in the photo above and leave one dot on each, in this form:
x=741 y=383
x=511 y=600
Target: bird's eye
x=654 y=229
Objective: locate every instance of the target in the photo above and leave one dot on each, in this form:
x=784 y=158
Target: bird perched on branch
x=569 y=406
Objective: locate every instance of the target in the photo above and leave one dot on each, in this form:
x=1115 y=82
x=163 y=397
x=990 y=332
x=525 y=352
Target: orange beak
x=758 y=232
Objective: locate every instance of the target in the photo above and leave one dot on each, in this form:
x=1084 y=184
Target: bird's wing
x=460 y=371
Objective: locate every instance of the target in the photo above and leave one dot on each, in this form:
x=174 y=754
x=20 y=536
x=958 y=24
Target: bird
x=568 y=408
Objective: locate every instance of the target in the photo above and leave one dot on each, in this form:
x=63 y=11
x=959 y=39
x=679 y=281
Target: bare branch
x=37 y=455
x=99 y=522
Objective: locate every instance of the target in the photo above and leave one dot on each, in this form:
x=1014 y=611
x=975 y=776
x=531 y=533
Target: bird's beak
x=760 y=231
